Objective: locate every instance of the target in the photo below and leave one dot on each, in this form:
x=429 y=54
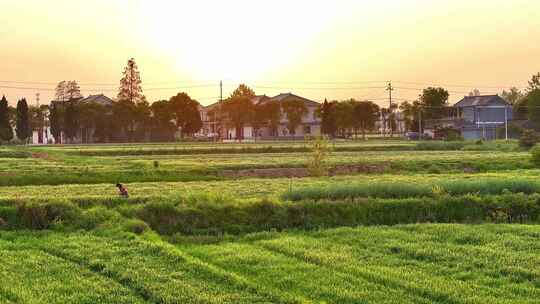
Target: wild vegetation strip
x=59 y=168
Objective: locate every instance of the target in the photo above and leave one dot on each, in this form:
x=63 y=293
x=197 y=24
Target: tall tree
x=56 y=119
x=91 y=117
x=23 y=130
x=391 y=120
x=124 y=120
x=6 y=131
x=61 y=91
x=72 y=90
x=130 y=84
x=326 y=113
x=411 y=115
x=365 y=114
x=240 y=111
x=186 y=114
x=534 y=83
x=344 y=116
x=71 y=121
x=518 y=100
x=512 y=96
x=243 y=90
x=533 y=104
x=273 y=113
x=295 y=110
x=434 y=102
x=162 y=116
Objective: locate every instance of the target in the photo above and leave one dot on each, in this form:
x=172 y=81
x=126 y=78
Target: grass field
x=435 y=223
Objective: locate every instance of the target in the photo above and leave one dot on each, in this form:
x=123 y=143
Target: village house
x=214 y=128
x=475 y=117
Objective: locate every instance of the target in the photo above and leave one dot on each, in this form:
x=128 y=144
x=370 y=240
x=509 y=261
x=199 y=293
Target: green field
x=434 y=223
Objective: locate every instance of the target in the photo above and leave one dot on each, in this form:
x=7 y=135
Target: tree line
x=132 y=118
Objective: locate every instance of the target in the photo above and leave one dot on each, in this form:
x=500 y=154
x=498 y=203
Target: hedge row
x=169 y=217
x=232 y=150
x=399 y=189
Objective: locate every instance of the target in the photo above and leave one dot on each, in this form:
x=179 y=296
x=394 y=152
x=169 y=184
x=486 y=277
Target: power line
x=460 y=85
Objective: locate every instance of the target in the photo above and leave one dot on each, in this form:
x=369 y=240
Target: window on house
x=307 y=129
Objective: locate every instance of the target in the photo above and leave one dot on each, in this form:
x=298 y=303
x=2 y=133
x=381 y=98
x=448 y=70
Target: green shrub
x=43 y=215
x=320 y=150
x=96 y=216
x=535 y=155
x=135 y=226
x=528 y=139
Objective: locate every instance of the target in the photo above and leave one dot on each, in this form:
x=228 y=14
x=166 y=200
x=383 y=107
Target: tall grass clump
x=320 y=150
x=408 y=190
x=440 y=145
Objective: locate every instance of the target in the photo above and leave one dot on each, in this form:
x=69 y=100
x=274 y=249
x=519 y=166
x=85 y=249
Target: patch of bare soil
x=470 y=170
x=301 y=172
x=42 y=155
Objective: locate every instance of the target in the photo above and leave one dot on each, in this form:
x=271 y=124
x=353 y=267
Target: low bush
x=97 y=216
x=535 y=155
x=135 y=226
x=528 y=139
x=43 y=215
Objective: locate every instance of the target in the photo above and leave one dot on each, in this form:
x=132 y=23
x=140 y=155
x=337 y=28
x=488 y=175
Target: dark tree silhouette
x=295 y=109
x=162 y=116
x=434 y=102
x=186 y=114
x=23 y=130
x=326 y=113
x=365 y=114
x=240 y=111
x=6 y=131
x=71 y=121
x=56 y=119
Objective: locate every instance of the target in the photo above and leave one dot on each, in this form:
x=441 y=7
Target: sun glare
x=210 y=40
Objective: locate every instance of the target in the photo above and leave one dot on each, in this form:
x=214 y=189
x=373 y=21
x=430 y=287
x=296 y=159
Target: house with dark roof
x=479 y=117
x=212 y=127
x=98 y=99
x=311 y=124
x=475 y=117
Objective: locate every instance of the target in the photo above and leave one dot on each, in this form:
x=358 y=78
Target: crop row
x=431 y=263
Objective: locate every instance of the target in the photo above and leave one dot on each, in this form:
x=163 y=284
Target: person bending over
x=122 y=190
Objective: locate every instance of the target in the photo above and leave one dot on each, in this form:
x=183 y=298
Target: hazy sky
x=318 y=49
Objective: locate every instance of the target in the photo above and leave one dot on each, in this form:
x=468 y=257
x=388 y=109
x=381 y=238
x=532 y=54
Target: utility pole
x=218 y=108
x=506 y=123
x=420 y=124
x=221 y=90
x=37 y=100
x=389 y=88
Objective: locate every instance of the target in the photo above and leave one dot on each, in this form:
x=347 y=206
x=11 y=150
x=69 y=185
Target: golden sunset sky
x=318 y=49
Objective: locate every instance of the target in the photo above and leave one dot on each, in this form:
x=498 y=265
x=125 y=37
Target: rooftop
x=483 y=100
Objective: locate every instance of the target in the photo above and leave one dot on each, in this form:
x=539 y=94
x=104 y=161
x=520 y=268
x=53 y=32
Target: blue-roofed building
x=479 y=117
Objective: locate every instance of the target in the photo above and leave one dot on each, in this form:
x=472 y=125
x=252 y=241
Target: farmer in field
x=122 y=190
